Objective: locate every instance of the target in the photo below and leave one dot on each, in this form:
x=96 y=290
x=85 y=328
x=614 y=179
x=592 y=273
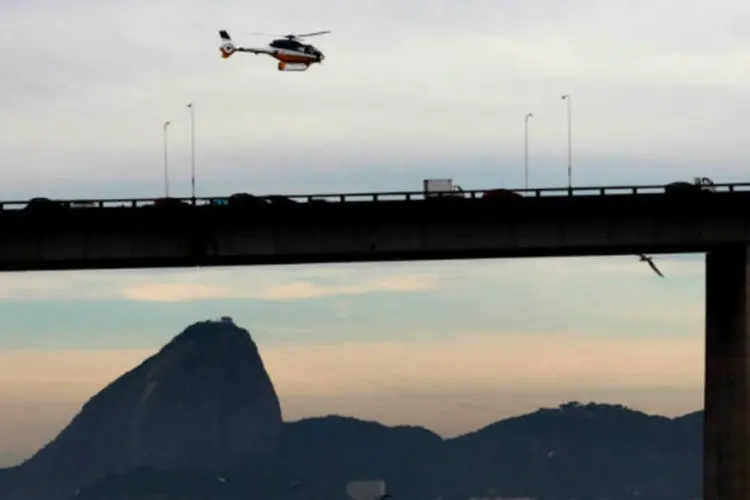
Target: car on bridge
x=42 y=204
x=699 y=185
x=501 y=194
x=168 y=202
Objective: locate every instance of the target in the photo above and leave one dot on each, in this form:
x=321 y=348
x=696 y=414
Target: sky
x=408 y=91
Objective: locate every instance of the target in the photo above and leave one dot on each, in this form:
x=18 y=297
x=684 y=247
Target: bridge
x=248 y=230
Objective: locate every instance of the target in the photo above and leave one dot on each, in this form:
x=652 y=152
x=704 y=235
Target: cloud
x=275 y=284
x=294 y=290
x=174 y=292
x=542 y=277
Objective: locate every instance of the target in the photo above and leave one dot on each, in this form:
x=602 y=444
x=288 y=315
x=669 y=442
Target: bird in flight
x=650 y=261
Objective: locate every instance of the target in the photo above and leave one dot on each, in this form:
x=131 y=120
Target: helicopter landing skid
x=283 y=66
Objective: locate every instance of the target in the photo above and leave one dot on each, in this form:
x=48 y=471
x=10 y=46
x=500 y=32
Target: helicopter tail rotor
x=227 y=48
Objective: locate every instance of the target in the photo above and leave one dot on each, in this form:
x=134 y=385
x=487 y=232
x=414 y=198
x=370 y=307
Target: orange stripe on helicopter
x=291 y=58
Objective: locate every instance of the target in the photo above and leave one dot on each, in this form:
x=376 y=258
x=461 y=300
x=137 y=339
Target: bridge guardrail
x=90 y=204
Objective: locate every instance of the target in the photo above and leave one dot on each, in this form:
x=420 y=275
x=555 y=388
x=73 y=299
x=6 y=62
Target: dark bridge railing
x=387 y=196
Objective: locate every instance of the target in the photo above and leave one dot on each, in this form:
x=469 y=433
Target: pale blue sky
x=409 y=90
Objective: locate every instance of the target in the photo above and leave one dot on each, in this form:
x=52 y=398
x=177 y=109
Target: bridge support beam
x=727 y=377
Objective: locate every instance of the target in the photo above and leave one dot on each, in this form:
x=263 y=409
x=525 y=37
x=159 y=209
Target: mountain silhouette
x=203 y=402
x=200 y=419
x=582 y=451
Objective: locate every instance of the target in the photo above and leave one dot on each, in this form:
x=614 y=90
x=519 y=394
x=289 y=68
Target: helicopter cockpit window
x=287 y=44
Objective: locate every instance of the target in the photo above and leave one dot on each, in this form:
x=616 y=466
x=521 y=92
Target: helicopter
x=292 y=54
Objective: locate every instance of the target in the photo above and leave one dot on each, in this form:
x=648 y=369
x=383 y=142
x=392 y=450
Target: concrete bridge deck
x=262 y=233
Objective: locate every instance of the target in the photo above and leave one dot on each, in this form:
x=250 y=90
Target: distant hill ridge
x=201 y=419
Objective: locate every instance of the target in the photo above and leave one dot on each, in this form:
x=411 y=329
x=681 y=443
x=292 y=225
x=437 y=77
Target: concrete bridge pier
x=727 y=378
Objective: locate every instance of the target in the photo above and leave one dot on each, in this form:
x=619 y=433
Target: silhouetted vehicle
x=500 y=194
x=276 y=199
x=44 y=204
x=699 y=185
x=169 y=202
x=681 y=187
x=245 y=200
x=441 y=189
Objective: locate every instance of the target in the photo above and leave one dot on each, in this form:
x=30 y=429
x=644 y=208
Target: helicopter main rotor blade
x=255 y=33
x=290 y=36
x=316 y=33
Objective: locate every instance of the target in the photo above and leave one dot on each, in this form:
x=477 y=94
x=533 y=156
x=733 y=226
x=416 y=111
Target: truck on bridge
x=444 y=188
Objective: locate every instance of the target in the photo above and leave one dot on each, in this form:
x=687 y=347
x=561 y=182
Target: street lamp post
x=166 y=162
x=192 y=149
x=526 y=151
x=567 y=97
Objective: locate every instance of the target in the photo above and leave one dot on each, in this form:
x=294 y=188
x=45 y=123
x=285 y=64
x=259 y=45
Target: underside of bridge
x=727 y=396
